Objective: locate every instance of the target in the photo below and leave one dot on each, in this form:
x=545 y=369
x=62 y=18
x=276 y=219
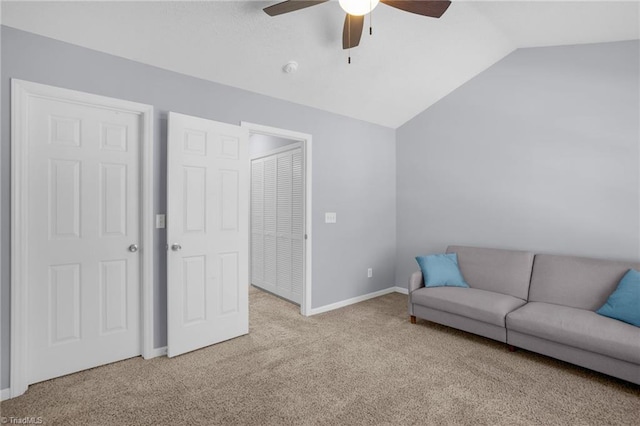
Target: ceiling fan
x=357 y=9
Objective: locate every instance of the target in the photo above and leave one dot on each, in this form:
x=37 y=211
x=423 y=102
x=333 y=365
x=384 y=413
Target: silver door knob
x=133 y=248
x=176 y=247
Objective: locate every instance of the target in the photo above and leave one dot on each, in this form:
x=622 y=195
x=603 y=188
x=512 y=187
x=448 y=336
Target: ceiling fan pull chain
x=370 y=19
x=349 y=29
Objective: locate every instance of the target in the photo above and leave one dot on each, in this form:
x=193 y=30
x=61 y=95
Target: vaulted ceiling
x=408 y=64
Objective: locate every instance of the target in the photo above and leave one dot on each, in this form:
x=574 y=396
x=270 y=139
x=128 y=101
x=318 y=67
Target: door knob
x=133 y=248
x=176 y=247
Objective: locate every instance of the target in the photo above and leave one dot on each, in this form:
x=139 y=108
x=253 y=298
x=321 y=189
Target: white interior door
x=208 y=232
x=277 y=222
x=84 y=227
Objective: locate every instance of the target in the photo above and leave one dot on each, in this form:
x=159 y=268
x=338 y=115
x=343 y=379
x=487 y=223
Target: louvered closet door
x=277 y=221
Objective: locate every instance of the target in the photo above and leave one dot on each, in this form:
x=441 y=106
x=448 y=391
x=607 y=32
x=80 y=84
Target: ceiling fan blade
x=432 y=8
x=290 y=6
x=352 y=31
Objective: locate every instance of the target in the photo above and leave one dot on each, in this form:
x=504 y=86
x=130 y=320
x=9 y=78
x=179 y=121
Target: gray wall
x=260 y=144
x=353 y=163
x=539 y=152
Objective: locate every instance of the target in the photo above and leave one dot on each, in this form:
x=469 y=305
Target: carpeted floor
x=360 y=365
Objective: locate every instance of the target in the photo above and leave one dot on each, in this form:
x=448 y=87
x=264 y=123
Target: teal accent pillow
x=441 y=270
x=624 y=303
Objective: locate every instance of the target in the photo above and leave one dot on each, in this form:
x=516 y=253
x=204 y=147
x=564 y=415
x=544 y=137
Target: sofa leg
x=512 y=348
x=412 y=318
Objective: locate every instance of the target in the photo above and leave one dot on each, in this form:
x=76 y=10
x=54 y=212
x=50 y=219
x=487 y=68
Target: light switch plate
x=330 y=217
x=160 y=221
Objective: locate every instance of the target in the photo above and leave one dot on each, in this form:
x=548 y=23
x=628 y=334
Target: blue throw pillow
x=624 y=303
x=441 y=270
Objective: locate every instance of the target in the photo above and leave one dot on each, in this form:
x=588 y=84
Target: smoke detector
x=290 y=67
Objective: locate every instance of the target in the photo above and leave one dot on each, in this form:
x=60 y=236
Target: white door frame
x=306 y=140
x=21 y=91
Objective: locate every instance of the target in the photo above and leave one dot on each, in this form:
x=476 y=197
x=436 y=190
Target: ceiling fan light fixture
x=358 y=7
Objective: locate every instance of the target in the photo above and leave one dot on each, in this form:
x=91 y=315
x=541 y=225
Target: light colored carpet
x=363 y=364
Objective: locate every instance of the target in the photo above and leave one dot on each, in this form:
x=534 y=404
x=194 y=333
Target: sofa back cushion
x=501 y=271
x=576 y=282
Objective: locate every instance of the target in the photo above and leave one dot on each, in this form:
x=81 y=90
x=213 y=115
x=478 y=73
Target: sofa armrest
x=416 y=281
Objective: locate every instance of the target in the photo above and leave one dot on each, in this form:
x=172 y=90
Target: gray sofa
x=542 y=303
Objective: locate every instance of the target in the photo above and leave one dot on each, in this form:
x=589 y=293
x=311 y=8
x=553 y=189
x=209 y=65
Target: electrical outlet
x=369 y=272
x=330 y=217
x=160 y=221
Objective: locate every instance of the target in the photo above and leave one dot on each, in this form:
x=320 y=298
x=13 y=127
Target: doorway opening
x=280 y=211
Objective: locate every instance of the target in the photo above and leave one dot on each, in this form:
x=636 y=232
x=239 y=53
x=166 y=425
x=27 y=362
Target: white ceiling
x=407 y=65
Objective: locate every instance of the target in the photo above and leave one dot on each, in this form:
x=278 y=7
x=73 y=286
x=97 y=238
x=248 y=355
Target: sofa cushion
x=578 y=328
x=441 y=270
x=501 y=271
x=472 y=303
x=574 y=281
x=624 y=303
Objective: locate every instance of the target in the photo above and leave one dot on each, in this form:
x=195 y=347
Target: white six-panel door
x=207 y=232
x=277 y=223
x=84 y=216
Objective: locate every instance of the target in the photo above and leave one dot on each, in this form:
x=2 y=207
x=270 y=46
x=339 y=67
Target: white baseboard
x=342 y=304
x=5 y=394
x=156 y=352
x=401 y=290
